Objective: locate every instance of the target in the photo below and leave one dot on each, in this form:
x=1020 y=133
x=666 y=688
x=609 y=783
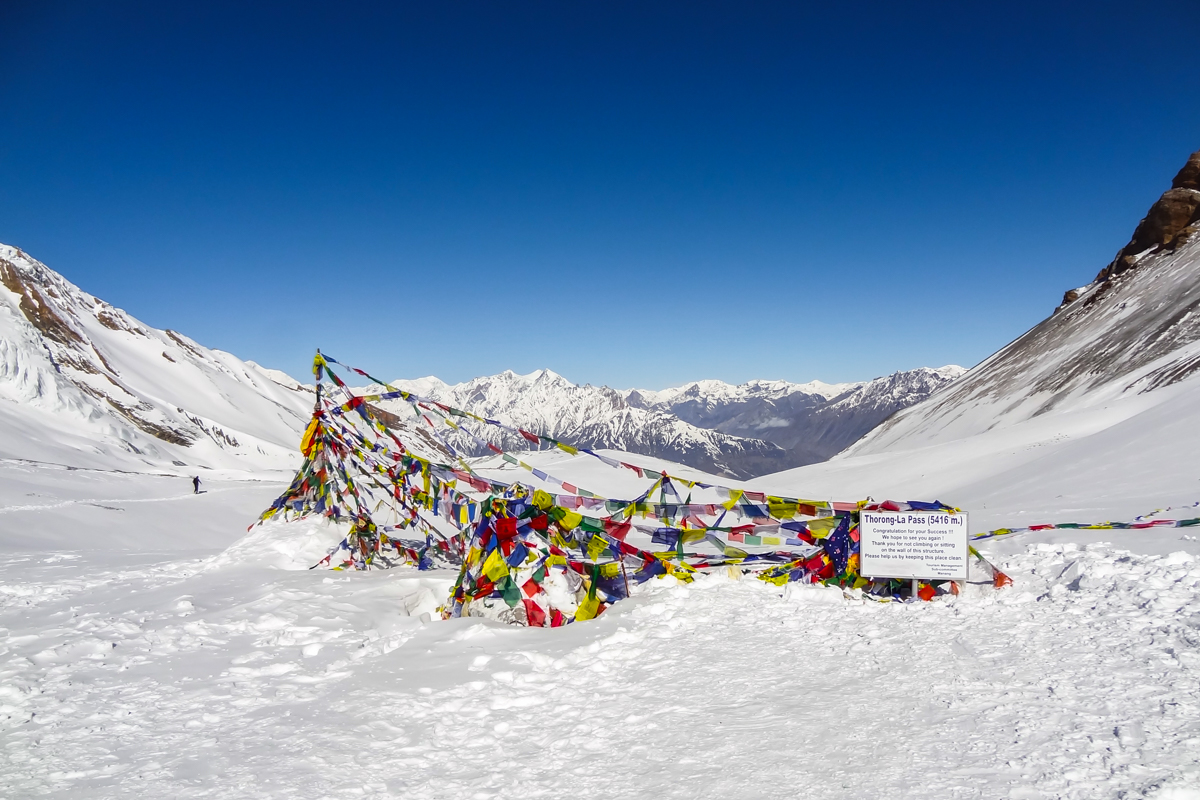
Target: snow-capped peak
x=740 y=430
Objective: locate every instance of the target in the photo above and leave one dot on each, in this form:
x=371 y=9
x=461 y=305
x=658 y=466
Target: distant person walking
x=196 y=485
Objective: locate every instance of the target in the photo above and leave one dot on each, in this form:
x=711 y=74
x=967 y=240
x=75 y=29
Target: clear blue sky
x=626 y=193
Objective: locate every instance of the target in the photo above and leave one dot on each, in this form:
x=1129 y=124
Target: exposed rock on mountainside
x=1171 y=221
x=1136 y=329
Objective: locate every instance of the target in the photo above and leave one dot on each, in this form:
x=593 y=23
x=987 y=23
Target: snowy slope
x=739 y=431
x=1108 y=462
x=204 y=663
x=189 y=673
x=1094 y=414
x=85 y=384
x=1133 y=331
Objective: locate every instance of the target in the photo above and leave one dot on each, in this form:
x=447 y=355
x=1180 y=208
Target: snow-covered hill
x=744 y=430
x=1093 y=414
x=246 y=673
x=88 y=385
x=84 y=384
x=1133 y=331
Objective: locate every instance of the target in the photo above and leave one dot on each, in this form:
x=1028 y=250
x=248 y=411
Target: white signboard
x=930 y=545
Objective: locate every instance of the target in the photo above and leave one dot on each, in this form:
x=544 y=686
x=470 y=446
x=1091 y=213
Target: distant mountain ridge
x=811 y=421
x=742 y=431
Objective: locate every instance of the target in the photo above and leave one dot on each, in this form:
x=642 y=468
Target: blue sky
x=626 y=193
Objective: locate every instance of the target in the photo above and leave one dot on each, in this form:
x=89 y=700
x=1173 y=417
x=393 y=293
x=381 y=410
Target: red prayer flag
x=534 y=614
x=506 y=528
x=617 y=530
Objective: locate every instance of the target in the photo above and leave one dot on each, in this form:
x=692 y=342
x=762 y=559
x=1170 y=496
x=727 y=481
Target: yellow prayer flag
x=306 y=441
x=596 y=546
x=821 y=528
x=588 y=609
x=780 y=508
x=495 y=568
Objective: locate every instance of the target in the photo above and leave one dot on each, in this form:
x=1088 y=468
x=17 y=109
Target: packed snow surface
x=188 y=660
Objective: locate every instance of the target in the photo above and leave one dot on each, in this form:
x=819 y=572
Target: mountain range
x=742 y=431
x=85 y=384
x=1089 y=403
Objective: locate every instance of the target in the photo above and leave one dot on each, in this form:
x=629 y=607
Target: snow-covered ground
x=140 y=657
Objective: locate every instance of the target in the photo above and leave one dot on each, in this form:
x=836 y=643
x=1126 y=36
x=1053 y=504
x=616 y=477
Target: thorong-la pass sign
x=930 y=545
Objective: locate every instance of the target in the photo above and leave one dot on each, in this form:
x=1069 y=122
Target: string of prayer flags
x=538 y=556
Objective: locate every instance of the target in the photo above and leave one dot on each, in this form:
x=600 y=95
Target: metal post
x=915 y=585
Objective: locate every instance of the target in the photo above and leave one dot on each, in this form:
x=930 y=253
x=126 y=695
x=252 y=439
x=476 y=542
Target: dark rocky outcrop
x=1168 y=223
x=1171 y=221
x=36 y=309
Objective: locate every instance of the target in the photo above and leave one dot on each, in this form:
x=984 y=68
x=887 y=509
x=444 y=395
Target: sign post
x=920 y=545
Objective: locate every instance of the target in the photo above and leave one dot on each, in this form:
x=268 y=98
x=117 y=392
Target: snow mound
x=283 y=545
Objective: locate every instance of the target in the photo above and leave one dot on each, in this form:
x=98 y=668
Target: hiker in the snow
x=196 y=485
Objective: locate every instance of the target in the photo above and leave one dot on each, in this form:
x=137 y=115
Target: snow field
x=201 y=678
x=109 y=514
